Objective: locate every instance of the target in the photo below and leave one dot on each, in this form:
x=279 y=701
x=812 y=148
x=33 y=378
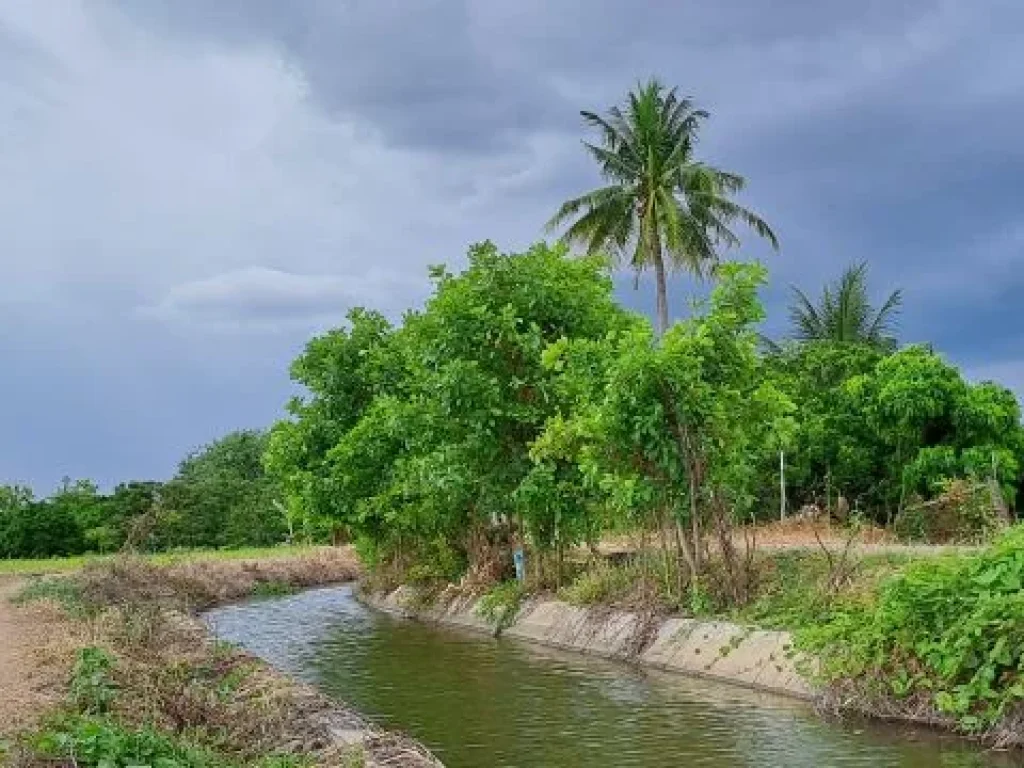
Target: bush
x=962 y=514
x=501 y=604
x=605 y=583
x=92 y=689
x=95 y=742
x=948 y=632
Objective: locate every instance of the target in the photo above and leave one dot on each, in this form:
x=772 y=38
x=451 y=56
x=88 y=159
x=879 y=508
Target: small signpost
x=520 y=562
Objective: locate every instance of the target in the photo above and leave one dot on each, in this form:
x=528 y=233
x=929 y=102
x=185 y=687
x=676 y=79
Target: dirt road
x=28 y=681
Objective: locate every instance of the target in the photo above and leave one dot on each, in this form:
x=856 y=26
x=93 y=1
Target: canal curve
x=478 y=702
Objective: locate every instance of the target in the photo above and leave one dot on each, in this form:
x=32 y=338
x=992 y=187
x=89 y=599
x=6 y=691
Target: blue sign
x=520 y=560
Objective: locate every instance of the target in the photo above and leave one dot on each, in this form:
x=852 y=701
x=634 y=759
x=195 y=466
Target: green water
x=479 y=703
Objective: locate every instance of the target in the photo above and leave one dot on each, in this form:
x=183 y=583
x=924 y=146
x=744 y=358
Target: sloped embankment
x=146 y=676
x=753 y=658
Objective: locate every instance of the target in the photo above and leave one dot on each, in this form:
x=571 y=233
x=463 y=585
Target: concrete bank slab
x=717 y=650
x=551 y=622
x=722 y=651
x=406 y=603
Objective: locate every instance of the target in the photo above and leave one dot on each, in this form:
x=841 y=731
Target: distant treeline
x=220 y=497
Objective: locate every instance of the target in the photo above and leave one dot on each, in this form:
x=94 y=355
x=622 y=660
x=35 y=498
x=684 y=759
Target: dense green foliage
x=883 y=428
x=220 y=497
x=674 y=431
x=661 y=207
x=523 y=404
x=949 y=630
x=417 y=439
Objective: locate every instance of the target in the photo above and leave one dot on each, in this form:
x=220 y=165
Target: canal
x=481 y=703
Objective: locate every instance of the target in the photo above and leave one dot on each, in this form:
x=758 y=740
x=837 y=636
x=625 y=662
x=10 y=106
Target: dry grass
x=217 y=695
x=55 y=565
x=195 y=585
x=170 y=674
x=37 y=649
x=797 y=533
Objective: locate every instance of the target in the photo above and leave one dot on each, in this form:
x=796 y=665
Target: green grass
x=99 y=742
x=46 y=566
x=793 y=590
x=62 y=590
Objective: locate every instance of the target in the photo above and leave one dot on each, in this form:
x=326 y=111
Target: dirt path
x=28 y=683
x=800 y=537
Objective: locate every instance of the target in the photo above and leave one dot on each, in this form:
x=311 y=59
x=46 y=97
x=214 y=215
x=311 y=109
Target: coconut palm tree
x=661 y=207
x=845 y=313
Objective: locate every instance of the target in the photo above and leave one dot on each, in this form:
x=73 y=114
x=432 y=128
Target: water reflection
x=479 y=702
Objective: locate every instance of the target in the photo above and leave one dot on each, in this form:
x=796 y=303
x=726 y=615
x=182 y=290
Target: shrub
x=501 y=604
x=92 y=689
x=948 y=632
x=963 y=514
x=605 y=583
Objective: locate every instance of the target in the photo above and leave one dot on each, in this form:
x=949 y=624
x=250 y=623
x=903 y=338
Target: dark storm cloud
x=192 y=187
x=415 y=70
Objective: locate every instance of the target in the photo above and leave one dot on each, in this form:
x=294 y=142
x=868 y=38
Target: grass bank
x=142 y=683
x=53 y=565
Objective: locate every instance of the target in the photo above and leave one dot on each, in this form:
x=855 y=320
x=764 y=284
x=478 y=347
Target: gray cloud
x=260 y=299
x=178 y=170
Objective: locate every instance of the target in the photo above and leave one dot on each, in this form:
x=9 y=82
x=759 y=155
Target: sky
x=191 y=189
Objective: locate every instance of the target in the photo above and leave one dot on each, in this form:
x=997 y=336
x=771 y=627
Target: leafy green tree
x=676 y=427
x=128 y=517
x=15 y=508
x=432 y=447
x=221 y=496
x=342 y=371
x=661 y=207
x=877 y=427
x=834 y=450
x=79 y=501
x=844 y=313
x=31 y=528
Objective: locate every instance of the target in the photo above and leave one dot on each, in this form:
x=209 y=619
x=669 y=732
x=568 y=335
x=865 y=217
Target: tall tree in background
x=844 y=313
x=661 y=207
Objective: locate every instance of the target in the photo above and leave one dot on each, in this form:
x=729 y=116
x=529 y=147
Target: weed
x=273 y=588
x=501 y=604
x=92 y=742
x=605 y=583
x=64 y=591
x=948 y=632
x=92 y=688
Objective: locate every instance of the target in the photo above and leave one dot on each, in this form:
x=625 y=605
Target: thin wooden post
x=782 y=485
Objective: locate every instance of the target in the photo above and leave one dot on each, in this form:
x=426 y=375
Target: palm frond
x=590 y=200
x=885 y=319
x=614 y=165
x=844 y=312
x=668 y=206
x=806 y=319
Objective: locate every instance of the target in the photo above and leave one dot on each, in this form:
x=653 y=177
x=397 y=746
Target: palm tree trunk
x=661 y=286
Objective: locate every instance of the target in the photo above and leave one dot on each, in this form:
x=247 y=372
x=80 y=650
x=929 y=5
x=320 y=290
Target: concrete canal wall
x=716 y=650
